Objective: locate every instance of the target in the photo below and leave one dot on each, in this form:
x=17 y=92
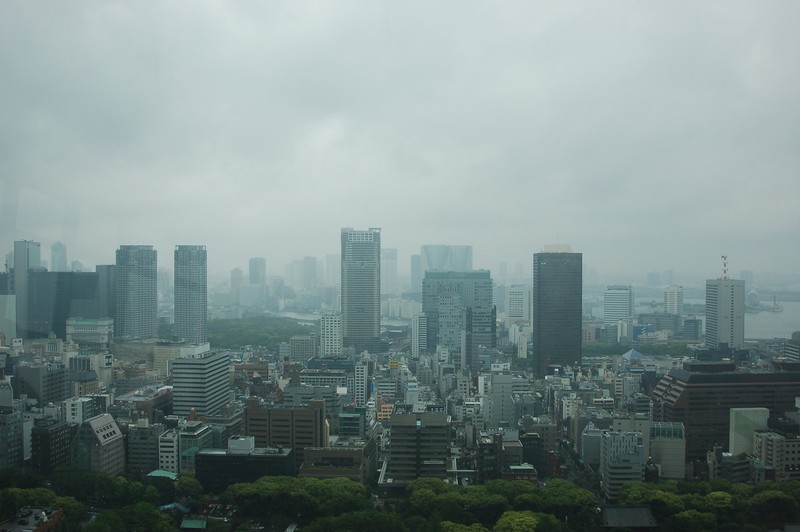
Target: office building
x=241 y=462
x=330 y=335
x=618 y=304
x=419 y=446
x=142 y=442
x=58 y=257
x=296 y=427
x=46 y=383
x=389 y=272
x=622 y=460
x=446 y=258
x=191 y=294
x=724 y=313
x=700 y=395
x=673 y=300
x=200 y=381
x=519 y=301
x=557 y=308
x=302 y=348
x=257 y=271
x=11 y=438
x=416 y=274
x=27 y=257
x=460 y=314
x=363 y=382
x=50 y=445
x=743 y=421
x=361 y=289
x=99 y=446
x=136 y=293
x=419 y=334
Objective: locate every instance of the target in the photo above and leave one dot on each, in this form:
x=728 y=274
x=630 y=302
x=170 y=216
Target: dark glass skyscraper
x=361 y=289
x=557 y=310
x=191 y=293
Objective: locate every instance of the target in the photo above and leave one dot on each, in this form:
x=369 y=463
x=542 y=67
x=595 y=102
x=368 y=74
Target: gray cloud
x=650 y=136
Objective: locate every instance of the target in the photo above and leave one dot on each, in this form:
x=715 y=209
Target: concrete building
x=700 y=395
x=302 y=348
x=743 y=422
x=622 y=460
x=673 y=300
x=618 y=304
x=389 y=285
x=58 y=257
x=137 y=293
x=668 y=449
x=419 y=446
x=95 y=334
x=191 y=294
x=27 y=257
x=296 y=427
x=557 y=308
x=354 y=458
x=257 y=271
x=99 y=446
x=241 y=461
x=520 y=301
x=361 y=289
x=200 y=381
x=12 y=450
x=419 y=334
x=724 y=313
x=50 y=445
x=142 y=443
x=330 y=335
x=460 y=314
x=47 y=383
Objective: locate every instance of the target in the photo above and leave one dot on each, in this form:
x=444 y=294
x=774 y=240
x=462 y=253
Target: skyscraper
x=258 y=271
x=199 y=381
x=191 y=297
x=557 y=310
x=389 y=272
x=137 y=293
x=448 y=258
x=330 y=334
x=361 y=289
x=724 y=313
x=58 y=257
x=460 y=313
x=618 y=304
x=673 y=300
x=27 y=257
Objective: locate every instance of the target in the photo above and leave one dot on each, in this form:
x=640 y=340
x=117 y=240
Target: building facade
x=330 y=335
x=557 y=308
x=724 y=313
x=200 y=381
x=618 y=304
x=191 y=294
x=361 y=289
x=136 y=293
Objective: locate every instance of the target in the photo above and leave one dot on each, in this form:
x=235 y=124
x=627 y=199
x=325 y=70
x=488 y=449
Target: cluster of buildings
x=471 y=394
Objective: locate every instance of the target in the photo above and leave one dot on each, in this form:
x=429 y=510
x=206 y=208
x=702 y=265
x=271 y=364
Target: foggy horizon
x=649 y=137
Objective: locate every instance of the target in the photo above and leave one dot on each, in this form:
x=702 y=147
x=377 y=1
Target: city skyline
x=504 y=129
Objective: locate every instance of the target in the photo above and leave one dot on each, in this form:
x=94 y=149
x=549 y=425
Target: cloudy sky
x=648 y=135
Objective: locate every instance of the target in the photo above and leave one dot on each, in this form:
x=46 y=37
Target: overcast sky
x=647 y=135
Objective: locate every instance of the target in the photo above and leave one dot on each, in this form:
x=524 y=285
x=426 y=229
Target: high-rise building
x=416 y=274
x=330 y=334
x=673 y=300
x=199 y=381
x=361 y=289
x=419 y=334
x=418 y=446
x=557 y=307
x=258 y=271
x=27 y=257
x=618 y=304
x=389 y=272
x=191 y=294
x=58 y=257
x=137 y=293
x=99 y=446
x=461 y=316
x=622 y=460
x=724 y=313
x=440 y=257
x=519 y=303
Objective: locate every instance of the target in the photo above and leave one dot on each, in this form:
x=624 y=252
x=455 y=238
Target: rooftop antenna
x=725 y=267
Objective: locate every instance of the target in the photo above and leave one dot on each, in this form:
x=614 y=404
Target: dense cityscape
x=450 y=379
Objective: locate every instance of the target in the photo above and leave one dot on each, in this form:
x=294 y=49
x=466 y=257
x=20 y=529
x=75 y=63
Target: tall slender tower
x=191 y=293
x=557 y=309
x=58 y=257
x=137 y=293
x=27 y=257
x=618 y=304
x=361 y=289
x=724 y=313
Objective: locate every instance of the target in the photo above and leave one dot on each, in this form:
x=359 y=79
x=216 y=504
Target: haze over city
x=647 y=136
